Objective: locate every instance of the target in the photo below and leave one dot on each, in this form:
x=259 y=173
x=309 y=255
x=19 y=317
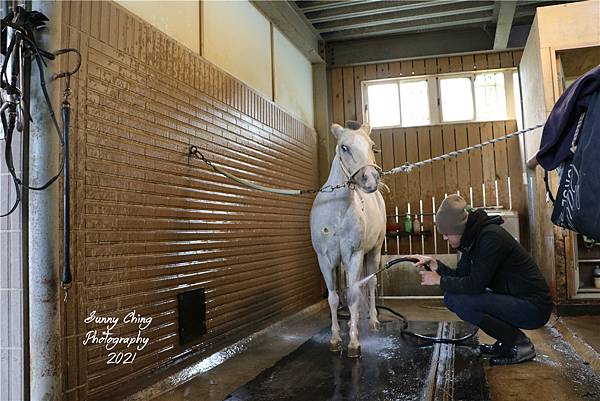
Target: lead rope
x=194 y=151
x=405 y=168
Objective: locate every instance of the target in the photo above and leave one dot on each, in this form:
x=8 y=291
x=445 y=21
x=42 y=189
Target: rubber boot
x=494 y=349
x=513 y=346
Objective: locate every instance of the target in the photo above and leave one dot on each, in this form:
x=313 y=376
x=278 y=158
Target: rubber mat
x=391 y=367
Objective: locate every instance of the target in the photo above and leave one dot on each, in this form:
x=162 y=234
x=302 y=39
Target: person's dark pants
x=516 y=312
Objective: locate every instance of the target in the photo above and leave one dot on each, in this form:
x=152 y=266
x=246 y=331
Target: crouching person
x=497 y=286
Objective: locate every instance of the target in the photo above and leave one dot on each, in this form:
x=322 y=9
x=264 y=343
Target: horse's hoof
x=354 y=352
x=375 y=325
x=335 y=346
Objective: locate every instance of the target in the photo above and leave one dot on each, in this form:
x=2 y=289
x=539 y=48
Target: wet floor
x=558 y=373
x=391 y=367
x=585 y=327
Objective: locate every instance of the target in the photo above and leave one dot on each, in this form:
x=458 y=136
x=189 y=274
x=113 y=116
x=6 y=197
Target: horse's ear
x=336 y=130
x=367 y=128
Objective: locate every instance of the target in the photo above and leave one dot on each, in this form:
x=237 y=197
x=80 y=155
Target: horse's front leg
x=373 y=261
x=328 y=270
x=353 y=264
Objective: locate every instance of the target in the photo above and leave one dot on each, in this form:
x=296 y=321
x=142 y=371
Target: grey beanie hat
x=451 y=217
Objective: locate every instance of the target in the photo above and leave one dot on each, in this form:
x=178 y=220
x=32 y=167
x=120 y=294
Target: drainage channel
x=456 y=372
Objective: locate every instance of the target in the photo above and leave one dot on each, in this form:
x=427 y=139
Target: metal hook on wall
x=67 y=74
x=72 y=72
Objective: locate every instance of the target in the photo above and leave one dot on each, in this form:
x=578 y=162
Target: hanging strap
x=548 y=191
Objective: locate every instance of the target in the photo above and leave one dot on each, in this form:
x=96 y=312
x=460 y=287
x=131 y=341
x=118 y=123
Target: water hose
x=404 y=329
x=389 y=264
x=430 y=339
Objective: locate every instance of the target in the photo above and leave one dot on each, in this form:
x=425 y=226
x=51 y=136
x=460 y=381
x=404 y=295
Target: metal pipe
x=20 y=67
x=44 y=227
x=26 y=92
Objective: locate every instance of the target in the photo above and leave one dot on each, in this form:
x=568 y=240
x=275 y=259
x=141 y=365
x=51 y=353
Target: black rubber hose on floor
x=422 y=336
x=409 y=333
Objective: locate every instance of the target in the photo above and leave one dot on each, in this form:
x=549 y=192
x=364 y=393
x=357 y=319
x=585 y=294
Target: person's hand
x=425 y=261
x=429 y=278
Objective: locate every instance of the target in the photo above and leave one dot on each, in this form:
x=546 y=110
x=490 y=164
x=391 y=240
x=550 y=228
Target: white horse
x=348 y=225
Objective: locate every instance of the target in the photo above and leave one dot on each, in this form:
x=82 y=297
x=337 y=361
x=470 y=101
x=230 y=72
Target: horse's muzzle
x=368 y=179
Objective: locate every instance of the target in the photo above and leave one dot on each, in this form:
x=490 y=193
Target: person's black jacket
x=492 y=258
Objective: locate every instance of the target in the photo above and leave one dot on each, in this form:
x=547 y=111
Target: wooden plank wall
x=482 y=178
x=148 y=222
x=489 y=177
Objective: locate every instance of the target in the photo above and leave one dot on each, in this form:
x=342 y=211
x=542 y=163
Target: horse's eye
x=345 y=148
x=375 y=150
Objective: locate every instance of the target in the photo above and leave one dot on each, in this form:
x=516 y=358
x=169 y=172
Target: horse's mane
x=353 y=125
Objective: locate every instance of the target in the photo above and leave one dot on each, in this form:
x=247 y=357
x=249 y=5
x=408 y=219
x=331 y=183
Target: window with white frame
x=490 y=96
x=414 y=103
x=457 y=99
x=397 y=103
x=443 y=98
x=384 y=102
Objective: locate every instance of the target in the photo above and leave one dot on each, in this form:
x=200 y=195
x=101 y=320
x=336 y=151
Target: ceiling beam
x=407 y=46
x=496 y=11
x=329 y=5
x=290 y=21
x=506 y=14
x=451 y=21
x=455 y=10
x=367 y=9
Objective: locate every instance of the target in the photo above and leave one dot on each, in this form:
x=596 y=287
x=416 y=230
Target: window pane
x=457 y=99
x=490 y=99
x=414 y=103
x=383 y=105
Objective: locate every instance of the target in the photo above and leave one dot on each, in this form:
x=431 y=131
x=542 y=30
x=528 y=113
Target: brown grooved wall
x=148 y=222
x=486 y=171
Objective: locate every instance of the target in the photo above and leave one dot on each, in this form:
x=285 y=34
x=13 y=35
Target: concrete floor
x=558 y=373
x=564 y=370
x=587 y=328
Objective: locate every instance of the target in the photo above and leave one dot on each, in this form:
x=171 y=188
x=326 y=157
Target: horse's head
x=356 y=152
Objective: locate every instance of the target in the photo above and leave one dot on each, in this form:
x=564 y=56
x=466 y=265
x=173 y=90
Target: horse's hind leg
x=373 y=261
x=327 y=269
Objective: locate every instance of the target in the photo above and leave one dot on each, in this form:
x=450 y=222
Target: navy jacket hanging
x=577 y=205
x=559 y=130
